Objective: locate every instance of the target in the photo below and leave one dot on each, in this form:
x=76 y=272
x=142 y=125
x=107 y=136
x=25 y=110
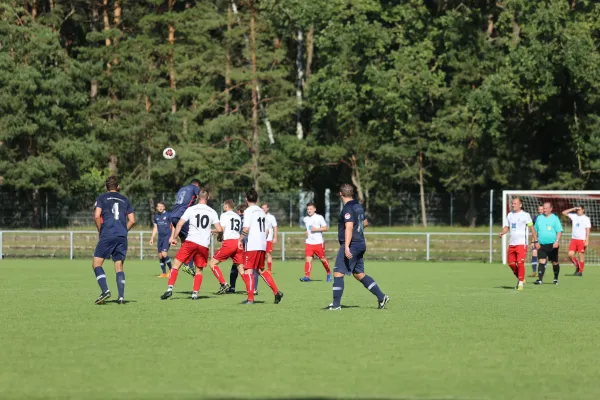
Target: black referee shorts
x=548 y=252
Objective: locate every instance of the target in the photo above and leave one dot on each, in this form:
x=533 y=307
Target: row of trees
x=395 y=96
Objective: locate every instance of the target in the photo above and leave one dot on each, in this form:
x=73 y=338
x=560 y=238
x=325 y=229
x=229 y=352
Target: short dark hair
x=582 y=207
x=347 y=190
x=112 y=183
x=252 y=196
x=229 y=203
x=311 y=204
x=203 y=194
x=195 y=181
x=160 y=202
x=242 y=207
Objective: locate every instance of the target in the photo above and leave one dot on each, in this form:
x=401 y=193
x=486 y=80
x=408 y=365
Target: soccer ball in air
x=169 y=153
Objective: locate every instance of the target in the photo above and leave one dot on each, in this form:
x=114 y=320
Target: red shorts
x=312 y=250
x=231 y=250
x=191 y=250
x=517 y=253
x=269 y=246
x=577 y=245
x=254 y=259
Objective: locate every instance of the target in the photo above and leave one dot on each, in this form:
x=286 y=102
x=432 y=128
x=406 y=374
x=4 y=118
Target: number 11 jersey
x=255 y=221
x=201 y=218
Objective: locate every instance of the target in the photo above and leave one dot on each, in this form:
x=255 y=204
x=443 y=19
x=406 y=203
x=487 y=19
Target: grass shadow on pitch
x=505 y=287
x=117 y=301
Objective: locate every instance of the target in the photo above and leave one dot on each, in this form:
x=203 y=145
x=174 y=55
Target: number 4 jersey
x=201 y=218
x=255 y=221
x=115 y=208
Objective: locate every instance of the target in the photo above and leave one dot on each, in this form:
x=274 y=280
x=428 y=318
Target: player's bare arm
x=321 y=229
x=174 y=235
x=504 y=231
x=587 y=236
x=98 y=218
x=218 y=227
x=275 y=232
x=348 y=238
x=242 y=236
x=130 y=221
x=570 y=210
x=365 y=223
x=154 y=232
x=557 y=243
x=534 y=239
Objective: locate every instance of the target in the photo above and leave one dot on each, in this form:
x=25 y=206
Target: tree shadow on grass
x=505 y=287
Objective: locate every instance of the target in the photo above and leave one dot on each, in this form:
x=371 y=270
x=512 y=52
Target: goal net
x=561 y=200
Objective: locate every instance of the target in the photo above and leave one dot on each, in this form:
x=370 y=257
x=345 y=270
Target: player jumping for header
x=315 y=244
x=580 y=237
x=517 y=222
x=349 y=260
x=195 y=246
x=185 y=198
x=114 y=218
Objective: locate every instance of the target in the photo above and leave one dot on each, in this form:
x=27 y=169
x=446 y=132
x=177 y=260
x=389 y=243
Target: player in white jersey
x=315 y=244
x=232 y=225
x=272 y=232
x=201 y=217
x=255 y=228
x=580 y=237
x=518 y=222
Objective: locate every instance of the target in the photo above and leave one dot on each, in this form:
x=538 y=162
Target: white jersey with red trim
x=256 y=222
x=231 y=223
x=580 y=224
x=518 y=223
x=316 y=221
x=201 y=218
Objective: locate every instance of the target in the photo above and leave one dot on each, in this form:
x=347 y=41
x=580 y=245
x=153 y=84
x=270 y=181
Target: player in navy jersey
x=114 y=218
x=185 y=198
x=351 y=225
x=164 y=228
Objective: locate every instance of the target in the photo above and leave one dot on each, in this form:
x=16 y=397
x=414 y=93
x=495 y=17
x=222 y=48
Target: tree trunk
x=36 y=220
x=148 y=104
x=355 y=177
x=299 y=130
x=94 y=22
x=310 y=47
x=472 y=213
x=107 y=41
x=490 y=28
x=172 y=82
x=255 y=149
x=228 y=61
x=112 y=164
x=422 y=191
x=34 y=9
x=51 y=4
x=117 y=22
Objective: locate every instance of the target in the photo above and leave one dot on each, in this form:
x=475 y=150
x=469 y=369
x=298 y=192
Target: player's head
x=541 y=209
x=228 y=205
x=112 y=184
x=580 y=210
x=311 y=209
x=195 y=182
x=517 y=204
x=265 y=207
x=547 y=208
x=252 y=196
x=241 y=208
x=346 y=191
x=203 y=196
x=160 y=206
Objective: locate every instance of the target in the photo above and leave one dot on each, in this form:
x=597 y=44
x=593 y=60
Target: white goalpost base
x=561 y=200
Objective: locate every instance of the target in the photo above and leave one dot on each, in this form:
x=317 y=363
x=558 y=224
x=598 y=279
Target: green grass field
x=451 y=332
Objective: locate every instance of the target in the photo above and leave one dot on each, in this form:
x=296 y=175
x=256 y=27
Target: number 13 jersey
x=232 y=224
x=255 y=221
x=201 y=217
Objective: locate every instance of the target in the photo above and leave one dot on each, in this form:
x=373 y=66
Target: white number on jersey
x=115 y=210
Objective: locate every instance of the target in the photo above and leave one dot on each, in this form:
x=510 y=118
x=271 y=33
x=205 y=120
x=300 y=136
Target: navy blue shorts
x=163 y=244
x=114 y=247
x=354 y=265
x=184 y=229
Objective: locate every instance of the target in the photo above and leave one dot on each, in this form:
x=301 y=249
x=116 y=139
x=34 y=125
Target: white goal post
x=560 y=200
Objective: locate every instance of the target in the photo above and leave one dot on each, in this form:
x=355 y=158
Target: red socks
x=197 y=282
x=249 y=281
x=307 y=268
x=581 y=264
x=326 y=266
x=577 y=264
x=173 y=276
x=521 y=271
x=218 y=274
x=269 y=266
x=269 y=279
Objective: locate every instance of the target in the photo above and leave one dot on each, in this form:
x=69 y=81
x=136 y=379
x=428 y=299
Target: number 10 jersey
x=201 y=217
